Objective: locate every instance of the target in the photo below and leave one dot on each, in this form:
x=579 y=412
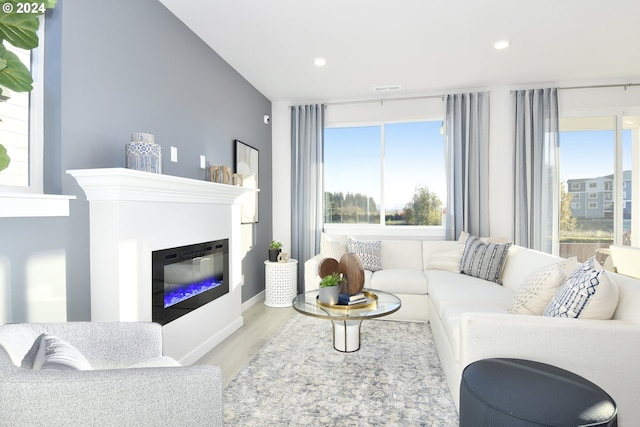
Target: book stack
x=346 y=299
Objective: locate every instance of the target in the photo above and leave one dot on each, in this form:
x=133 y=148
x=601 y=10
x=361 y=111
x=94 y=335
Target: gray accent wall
x=118 y=67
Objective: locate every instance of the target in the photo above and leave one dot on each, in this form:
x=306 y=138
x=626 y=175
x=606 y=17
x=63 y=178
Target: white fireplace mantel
x=127 y=184
x=133 y=213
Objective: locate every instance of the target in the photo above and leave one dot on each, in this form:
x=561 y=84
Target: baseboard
x=198 y=352
x=258 y=298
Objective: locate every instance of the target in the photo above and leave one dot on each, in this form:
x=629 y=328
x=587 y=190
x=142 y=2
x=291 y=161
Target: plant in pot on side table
x=329 y=288
x=274 y=250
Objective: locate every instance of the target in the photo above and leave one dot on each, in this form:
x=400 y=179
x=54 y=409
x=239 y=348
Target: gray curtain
x=536 y=168
x=307 y=135
x=467 y=164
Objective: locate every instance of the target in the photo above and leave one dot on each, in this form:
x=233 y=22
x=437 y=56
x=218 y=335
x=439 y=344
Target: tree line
x=424 y=208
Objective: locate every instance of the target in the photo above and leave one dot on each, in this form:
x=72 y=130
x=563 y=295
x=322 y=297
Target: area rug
x=298 y=379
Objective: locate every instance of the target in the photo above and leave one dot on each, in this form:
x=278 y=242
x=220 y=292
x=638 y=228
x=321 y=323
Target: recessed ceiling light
x=501 y=44
x=319 y=62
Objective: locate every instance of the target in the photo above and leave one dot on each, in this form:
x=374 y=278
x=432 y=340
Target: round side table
x=281 y=283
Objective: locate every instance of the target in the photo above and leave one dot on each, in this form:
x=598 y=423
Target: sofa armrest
x=145 y=396
x=311 y=277
x=598 y=350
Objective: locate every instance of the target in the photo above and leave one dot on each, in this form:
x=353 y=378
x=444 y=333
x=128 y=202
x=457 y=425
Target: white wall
x=571 y=103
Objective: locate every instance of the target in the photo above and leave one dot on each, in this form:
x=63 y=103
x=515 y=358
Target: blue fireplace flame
x=184 y=292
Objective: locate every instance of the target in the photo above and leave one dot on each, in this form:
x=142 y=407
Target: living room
x=112 y=70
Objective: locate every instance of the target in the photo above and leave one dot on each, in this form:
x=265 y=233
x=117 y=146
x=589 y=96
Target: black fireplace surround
x=188 y=277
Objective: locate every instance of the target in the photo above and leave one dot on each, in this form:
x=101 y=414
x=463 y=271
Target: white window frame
x=592 y=205
x=381 y=229
x=30 y=201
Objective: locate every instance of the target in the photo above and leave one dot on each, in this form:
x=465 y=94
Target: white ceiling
x=423 y=45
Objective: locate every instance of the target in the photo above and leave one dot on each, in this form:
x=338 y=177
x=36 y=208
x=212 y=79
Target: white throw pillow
x=331 y=248
x=533 y=296
x=484 y=260
x=587 y=294
x=446 y=256
x=51 y=352
x=369 y=253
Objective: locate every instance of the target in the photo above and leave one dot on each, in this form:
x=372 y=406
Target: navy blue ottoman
x=523 y=393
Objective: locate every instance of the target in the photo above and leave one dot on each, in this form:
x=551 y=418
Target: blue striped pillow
x=484 y=260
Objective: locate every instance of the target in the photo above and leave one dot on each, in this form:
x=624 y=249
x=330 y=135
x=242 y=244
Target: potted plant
x=18 y=26
x=274 y=250
x=329 y=288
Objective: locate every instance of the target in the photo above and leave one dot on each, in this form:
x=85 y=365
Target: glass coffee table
x=347 y=320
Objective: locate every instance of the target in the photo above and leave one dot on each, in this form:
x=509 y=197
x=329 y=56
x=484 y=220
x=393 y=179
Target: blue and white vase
x=143 y=153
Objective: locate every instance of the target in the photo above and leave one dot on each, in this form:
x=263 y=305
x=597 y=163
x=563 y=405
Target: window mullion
x=383 y=208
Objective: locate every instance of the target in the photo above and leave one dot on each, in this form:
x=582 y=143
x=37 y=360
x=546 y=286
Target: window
x=21 y=126
x=575 y=186
x=597 y=150
x=575 y=205
x=388 y=174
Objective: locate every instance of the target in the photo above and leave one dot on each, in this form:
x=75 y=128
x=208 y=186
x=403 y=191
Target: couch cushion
x=332 y=248
x=368 y=251
x=404 y=254
x=443 y=255
x=451 y=320
x=540 y=286
x=521 y=262
x=400 y=281
x=484 y=260
x=51 y=352
x=587 y=294
x=447 y=288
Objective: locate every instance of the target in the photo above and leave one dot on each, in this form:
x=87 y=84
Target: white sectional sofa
x=470 y=317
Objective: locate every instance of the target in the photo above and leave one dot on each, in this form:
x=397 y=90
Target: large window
x=389 y=174
x=595 y=165
x=21 y=125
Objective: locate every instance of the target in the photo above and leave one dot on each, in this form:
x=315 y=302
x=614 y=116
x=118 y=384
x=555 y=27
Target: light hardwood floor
x=234 y=353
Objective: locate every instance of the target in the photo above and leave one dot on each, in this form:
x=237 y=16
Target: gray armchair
x=131 y=382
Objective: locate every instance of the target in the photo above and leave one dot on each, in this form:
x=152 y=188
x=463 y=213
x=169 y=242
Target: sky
x=414 y=156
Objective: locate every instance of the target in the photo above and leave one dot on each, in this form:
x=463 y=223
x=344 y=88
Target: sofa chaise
x=472 y=318
x=101 y=374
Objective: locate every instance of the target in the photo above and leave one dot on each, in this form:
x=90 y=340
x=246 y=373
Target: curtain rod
x=382 y=100
x=624 y=85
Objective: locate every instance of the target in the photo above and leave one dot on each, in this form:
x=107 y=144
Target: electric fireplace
x=188 y=277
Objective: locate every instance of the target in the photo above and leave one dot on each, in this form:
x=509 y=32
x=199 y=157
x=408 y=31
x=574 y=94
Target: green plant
x=333 y=279
x=18 y=26
x=275 y=245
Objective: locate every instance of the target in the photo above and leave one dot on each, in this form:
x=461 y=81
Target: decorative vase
x=273 y=255
x=329 y=295
x=143 y=153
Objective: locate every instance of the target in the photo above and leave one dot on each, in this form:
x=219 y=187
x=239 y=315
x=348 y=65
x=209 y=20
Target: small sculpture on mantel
x=223 y=175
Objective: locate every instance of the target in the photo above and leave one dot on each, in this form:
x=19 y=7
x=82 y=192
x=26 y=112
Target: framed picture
x=246 y=164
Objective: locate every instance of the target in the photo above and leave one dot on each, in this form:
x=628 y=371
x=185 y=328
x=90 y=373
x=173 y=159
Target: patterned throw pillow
x=331 y=248
x=540 y=286
x=587 y=294
x=369 y=253
x=51 y=352
x=484 y=260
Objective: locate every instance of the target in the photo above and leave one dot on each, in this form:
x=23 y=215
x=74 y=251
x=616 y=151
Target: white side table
x=281 y=283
